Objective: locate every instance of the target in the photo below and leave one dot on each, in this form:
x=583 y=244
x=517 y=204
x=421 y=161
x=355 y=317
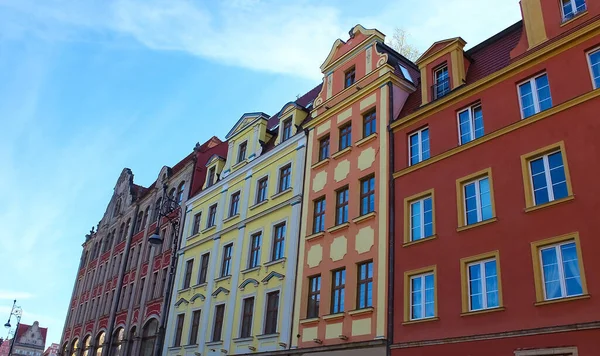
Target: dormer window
x=287 y=129
x=242 y=151
x=211 y=177
x=570 y=8
x=441 y=85
x=349 y=77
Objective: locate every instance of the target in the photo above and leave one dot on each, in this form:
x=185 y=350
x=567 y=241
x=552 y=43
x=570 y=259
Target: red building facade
x=494 y=164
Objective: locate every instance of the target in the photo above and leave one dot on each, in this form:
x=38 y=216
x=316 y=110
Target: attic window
x=242 y=151
x=287 y=129
x=349 y=77
x=211 y=177
x=570 y=8
x=441 y=85
x=405 y=73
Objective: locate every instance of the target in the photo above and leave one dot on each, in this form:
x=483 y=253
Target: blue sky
x=90 y=87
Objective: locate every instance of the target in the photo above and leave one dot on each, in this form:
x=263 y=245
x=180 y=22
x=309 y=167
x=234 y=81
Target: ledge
x=271 y=263
x=481 y=223
x=560 y=300
x=425 y=239
x=231 y=218
x=321 y=163
x=335 y=316
x=267 y=336
x=201 y=285
x=364 y=217
x=368 y=310
x=283 y=192
x=190 y=346
x=259 y=204
x=341 y=153
x=253 y=269
x=239 y=164
x=483 y=311
x=224 y=278
x=184 y=290
x=576 y=17
x=315 y=236
x=366 y=140
x=309 y=321
x=243 y=339
x=338 y=227
x=214 y=343
x=208 y=229
x=424 y=320
x=550 y=203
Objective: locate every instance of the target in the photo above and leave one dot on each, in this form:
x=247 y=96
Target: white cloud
x=10 y=295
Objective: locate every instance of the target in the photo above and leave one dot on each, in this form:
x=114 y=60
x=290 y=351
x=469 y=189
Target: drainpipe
x=391 y=225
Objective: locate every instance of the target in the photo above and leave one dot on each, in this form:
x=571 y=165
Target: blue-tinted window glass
x=527 y=101
x=543 y=91
x=595 y=63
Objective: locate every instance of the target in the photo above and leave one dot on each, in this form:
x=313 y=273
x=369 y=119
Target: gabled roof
x=246 y=120
x=213 y=158
x=438 y=46
x=335 y=52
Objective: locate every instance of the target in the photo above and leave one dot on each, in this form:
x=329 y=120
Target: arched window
x=156 y=209
x=117 y=342
x=122 y=232
x=64 y=349
x=117 y=208
x=87 y=346
x=146 y=217
x=180 y=191
x=148 y=337
x=130 y=338
x=138 y=222
x=99 y=343
x=74 y=347
x=127 y=226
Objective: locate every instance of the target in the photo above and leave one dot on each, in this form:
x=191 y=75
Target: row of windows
x=557 y=272
x=364 y=290
x=546 y=179
x=245 y=325
x=345 y=135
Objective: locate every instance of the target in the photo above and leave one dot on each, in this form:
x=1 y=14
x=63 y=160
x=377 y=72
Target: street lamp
x=17 y=312
x=168 y=210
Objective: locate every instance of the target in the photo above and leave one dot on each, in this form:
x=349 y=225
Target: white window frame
x=575 y=11
x=266 y=305
x=244 y=297
x=214 y=317
x=547 y=175
x=423 y=289
x=435 y=78
x=422 y=212
x=561 y=271
x=420 y=146
x=477 y=199
x=534 y=93
x=589 y=60
x=470 y=110
x=481 y=265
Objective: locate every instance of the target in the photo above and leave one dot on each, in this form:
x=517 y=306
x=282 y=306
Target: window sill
x=411 y=243
x=237 y=340
x=249 y=270
x=190 y=346
x=283 y=192
x=483 y=311
x=271 y=263
x=184 y=290
x=201 y=285
x=309 y=321
x=367 y=310
x=481 y=223
x=259 y=204
x=550 y=203
x=239 y=164
x=315 y=236
x=267 y=336
x=221 y=279
x=364 y=217
x=321 y=163
x=208 y=229
x=214 y=343
x=231 y=218
x=338 y=227
x=418 y=321
x=577 y=16
x=560 y=300
x=366 y=140
x=341 y=153
x=336 y=316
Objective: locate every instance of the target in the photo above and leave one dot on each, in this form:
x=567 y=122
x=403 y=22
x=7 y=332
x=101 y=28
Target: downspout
x=391 y=226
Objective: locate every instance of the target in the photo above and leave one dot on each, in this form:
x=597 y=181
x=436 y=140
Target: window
x=247 y=314
x=314 y=296
x=196 y=224
x=324 y=145
x=470 y=124
x=421 y=294
x=194 y=328
x=179 y=330
x=278 y=242
x=272 y=308
x=535 y=95
x=441 y=85
x=203 y=268
x=287 y=130
x=570 y=8
x=338 y=290
x=218 y=326
x=242 y=152
x=261 y=191
x=254 y=259
x=212 y=214
x=367 y=195
x=365 y=285
x=480 y=282
x=189 y=265
x=594 y=58
x=345 y=137
x=180 y=191
x=418 y=143
x=140 y=292
x=341 y=208
x=226 y=265
x=319 y=216
x=369 y=123
x=558 y=268
x=234 y=204
x=349 y=77
x=477 y=198
x=211 y=177
x=138 y=222
x=419 y=218
x=156 y=211
x=285 y=177
x=546 y=175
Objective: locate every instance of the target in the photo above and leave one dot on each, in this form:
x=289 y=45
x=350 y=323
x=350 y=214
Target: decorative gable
x=290 y=118
x=248 y=281
x=219 y=291
x=197 y=296
x=271 y=275
x=180 y=302
x=214 y=168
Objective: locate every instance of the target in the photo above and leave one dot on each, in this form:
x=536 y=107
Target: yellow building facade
x=236 y=274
